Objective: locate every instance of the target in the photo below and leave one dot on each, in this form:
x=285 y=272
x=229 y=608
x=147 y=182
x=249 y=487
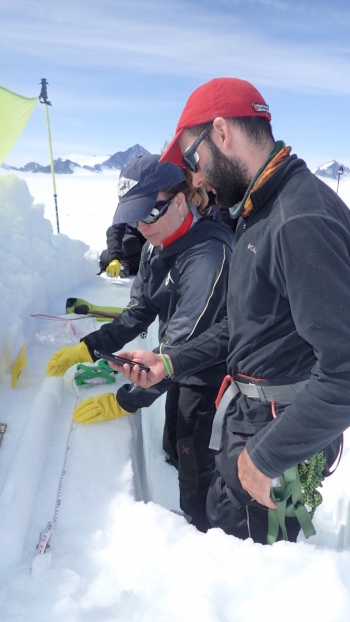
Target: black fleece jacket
x=288 y=317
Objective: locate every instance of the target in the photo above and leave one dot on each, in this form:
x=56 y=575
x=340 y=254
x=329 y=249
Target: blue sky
x=120 y=71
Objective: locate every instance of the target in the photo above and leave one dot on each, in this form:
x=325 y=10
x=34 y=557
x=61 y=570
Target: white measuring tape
x=46 y=534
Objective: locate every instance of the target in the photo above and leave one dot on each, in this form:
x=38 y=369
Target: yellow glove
x=114 y=268
x=66 y=357
x=99 y=408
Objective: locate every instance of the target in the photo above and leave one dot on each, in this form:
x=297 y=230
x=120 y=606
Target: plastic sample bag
x=63 y=330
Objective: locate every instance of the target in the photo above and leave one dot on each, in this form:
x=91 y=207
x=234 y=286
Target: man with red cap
x=286 y=339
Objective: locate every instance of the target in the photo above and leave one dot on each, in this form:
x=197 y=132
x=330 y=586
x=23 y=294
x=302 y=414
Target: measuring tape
x=46 y=534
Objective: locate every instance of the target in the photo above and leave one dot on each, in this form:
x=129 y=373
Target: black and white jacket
x=185 y=286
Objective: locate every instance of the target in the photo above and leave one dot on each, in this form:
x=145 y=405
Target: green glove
x=66 y=357
x=114 y=268
x=99 y=408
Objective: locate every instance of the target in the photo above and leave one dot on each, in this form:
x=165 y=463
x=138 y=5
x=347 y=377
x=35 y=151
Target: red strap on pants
x=226 y=381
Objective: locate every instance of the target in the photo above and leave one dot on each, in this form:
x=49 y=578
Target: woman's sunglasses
x=190 y=156
x=160 y=208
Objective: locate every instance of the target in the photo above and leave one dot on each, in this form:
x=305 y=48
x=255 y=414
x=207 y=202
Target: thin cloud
x=119 y=72
x=275 y=4
x=116 y=104
x=160 y=41
x=72 y=121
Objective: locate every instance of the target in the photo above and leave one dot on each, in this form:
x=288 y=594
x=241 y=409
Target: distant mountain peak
x=122 y=158
x=331 y=170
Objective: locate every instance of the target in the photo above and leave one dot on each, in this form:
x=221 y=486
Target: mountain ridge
x=120 y=159
x=66 y=166
x=331 y=169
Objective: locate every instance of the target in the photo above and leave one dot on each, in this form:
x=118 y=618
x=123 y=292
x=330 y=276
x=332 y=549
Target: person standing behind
x=182 y=280
x=123 y=253
x=286 y=339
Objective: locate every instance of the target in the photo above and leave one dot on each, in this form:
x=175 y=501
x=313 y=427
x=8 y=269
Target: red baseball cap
x=221 y=97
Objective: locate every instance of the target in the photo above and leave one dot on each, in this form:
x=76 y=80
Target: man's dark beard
x=228 y=177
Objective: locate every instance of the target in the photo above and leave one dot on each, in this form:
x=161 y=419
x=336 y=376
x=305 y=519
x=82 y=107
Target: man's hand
x=144 y=379
x=255 y=483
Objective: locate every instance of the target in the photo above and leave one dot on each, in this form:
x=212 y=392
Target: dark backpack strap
x=333 y=453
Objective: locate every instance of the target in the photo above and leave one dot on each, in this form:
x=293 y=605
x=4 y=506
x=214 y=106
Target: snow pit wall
x=16 y=509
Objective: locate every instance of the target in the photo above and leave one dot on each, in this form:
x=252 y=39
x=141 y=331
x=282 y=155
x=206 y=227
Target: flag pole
x=340 y=172
x=43 y=99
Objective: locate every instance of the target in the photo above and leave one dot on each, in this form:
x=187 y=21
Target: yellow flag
x=19 y=365
x=15 y=111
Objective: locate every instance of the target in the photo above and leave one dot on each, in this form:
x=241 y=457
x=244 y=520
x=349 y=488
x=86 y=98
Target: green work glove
x=66 y=357
x=100 y=408
x=114 y=268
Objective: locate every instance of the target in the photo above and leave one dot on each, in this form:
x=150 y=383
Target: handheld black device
x=120 y=360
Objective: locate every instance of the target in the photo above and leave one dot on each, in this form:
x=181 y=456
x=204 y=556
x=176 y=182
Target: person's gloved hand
x=114 y=268
x=66 y=357
x=99 y=408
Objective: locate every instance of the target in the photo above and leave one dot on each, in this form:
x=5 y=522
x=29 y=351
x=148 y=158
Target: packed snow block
x=20 y=489
x=35 y=265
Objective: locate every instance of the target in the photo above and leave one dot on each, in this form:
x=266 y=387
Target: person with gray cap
x=286 y=400
x=182 y=280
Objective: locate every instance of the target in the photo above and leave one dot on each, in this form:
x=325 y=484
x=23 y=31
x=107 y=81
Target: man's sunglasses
x=160 y=208
x=190 y=156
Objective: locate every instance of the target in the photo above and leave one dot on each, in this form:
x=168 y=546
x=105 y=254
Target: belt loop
x=261 y=394
x=216 y=434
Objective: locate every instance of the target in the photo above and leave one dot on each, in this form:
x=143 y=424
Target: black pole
x=340 y=172
x=43 y=99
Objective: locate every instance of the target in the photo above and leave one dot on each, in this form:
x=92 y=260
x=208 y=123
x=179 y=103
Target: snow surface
x=114 y=557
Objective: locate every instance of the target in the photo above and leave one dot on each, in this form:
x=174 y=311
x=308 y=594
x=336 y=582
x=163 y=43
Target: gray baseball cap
x=139 y=185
